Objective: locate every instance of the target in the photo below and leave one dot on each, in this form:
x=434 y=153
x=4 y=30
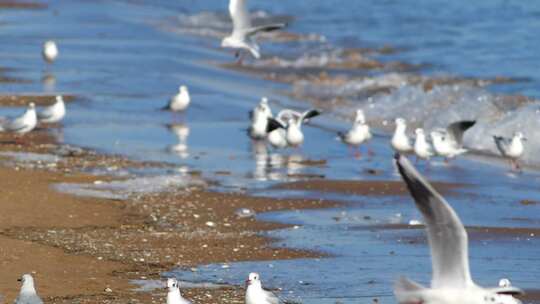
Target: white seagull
x=294 y=135
x=511 y=148
x=173 y=293
x=180 y=101
x=50 y=51
x=53 y=113
x=448 y=142
x=359 y=132
x=422 y=148
x=22 y=124
x=278 y=137
x=451 y=281
x=400 y=141
x=28 y=294
x=259 y=119
x=255 y=294
x=242 y=34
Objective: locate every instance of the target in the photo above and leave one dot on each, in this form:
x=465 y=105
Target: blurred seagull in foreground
x=358 y=134
x=241 y=37
x=53 y=113
x=28 y=294
x=511 y=148
x=180 y=101
x=422 y=148
x=293 y=126
x=255 y=294
x=50 y=51
x=451 y=281
x=173 y=294
x=259 y=119
x=448 y=142
x=22 y=124
x=400 y=141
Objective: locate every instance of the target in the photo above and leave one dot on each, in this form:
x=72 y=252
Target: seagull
x=259 y=119
x=22 y=124
x=50 y=51
x=400 y=141
x=451 y=281
x=53 y=113
x=448 y=142
x=255 y=294
x=422 y=149
x=173 y=294
x=241 y=37
x=511 y=148
x=278 y=137
x=359 y=132
x=28 y=294
x=293 y=127
x=180 y=101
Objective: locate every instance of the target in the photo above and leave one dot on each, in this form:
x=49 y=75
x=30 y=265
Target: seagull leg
x=370 y=152
x=357 y=152
x=240 y=57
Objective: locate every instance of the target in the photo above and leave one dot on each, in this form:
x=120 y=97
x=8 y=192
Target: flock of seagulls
x=451 y=282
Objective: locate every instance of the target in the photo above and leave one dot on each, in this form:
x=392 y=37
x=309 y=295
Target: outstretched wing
x=240 y=17
x=265 y=28
x=273 y=124
x=446 y=234
x=456 y=130
x=307 y=115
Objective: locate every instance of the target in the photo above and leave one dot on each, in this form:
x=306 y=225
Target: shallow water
x=124 y=59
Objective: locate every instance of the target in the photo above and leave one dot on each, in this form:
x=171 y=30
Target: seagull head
x=264 y=101
x=27 y=281
x=59 y=99
x=360 y=117
x=400 y=121
x=519 y=135
x=172 y=284
x=253 y=279
x=31 y=106
x=182 y=89
x=419 y=131
x=49 y=44
x=504 y=282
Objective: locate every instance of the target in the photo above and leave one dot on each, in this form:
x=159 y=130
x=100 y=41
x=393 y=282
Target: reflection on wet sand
x=275 y=166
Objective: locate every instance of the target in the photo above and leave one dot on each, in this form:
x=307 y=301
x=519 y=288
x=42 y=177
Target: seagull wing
x=46 y=113
x=265 y=28
x=307 y=115
x=240 y=17
x=15 y=124
x=455 y=130
x=502 y=144
x=270 y=297
x=285 y=115
x=273 y=124
x=446 y=235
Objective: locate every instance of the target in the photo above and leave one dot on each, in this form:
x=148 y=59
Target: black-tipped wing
x=446 y=234
x=273 y=124
x=306 y=116
x=456 y=130
x=265 y=28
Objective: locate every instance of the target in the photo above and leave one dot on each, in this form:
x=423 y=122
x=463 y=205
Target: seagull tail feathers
x=407 y=291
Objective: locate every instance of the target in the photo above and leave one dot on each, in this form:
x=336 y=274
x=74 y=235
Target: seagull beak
x=248 y=282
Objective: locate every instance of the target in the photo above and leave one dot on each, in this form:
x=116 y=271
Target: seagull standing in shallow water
x=180 y=101
x=422 y=149
x=359 y=132
x=173 y=294
x=259 y=120
x=22 y=124
x=511 y=148
x=293 y=128
x=448 y=142
x=241 y=37
x=255 y=294
x=400 y=141
x=53 y=113
x=451 y=282
x=50 y=51
x=28 y=294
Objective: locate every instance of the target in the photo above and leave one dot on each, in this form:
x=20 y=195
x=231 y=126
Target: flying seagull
x=448 y=142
